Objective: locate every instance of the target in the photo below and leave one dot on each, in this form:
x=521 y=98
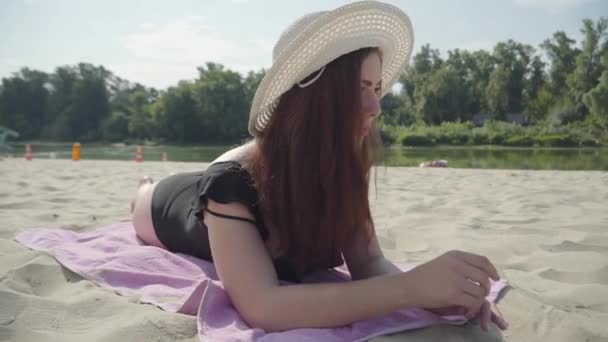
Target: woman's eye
x=377 y=90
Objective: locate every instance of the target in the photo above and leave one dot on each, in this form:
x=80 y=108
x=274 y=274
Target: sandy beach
x=547 y=232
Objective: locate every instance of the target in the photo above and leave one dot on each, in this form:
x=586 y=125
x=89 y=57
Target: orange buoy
x=28 y=152
x=76 y=151
x=139 y=155
x=164 y=156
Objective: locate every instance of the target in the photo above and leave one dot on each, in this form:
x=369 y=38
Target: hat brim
x=331 y=35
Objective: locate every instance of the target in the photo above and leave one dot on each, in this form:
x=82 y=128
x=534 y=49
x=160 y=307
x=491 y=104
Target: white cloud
x=183 y=41
x=552 y=6
x=147 y=26
x=164 y=54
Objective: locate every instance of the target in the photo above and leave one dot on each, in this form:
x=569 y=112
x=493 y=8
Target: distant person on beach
x=435 y=163
x=294 y=199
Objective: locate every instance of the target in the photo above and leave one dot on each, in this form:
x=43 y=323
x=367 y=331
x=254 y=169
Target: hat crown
x=315 y=39
x=292 y=31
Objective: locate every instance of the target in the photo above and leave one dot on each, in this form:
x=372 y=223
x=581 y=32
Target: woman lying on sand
x=294 y=199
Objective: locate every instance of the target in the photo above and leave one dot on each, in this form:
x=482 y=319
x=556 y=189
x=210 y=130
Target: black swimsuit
x=179 y=200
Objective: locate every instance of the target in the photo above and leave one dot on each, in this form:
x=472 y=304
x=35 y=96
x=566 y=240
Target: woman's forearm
x=376 y=267
x=331 y=304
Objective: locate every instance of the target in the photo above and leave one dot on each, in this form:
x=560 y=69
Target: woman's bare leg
x=141 y=209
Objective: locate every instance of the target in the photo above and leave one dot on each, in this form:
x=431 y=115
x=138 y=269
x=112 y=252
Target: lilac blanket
x=114 y=257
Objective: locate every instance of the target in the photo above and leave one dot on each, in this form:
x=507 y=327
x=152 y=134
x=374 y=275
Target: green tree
x=78 y=103
x=597 y=99
x=23 y=101
x=140 y=120
x=251 y=83
x=396 y=111
x=512 y=66
x=424 y=63
x=589 y=62
x=537 y=98
x=473 y=70
x=177 y=116
x=496 y=92
x=439 y=99
x=222 y=100
x=562 y=54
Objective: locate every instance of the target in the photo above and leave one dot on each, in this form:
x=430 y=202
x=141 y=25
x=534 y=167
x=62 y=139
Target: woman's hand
x=487 y=314
x=454 y=279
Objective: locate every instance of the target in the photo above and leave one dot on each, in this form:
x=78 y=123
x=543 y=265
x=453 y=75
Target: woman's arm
x=249 y=277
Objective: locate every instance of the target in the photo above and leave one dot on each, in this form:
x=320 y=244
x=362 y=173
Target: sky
x=157 y=43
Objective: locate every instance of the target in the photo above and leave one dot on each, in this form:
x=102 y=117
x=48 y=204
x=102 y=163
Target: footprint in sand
x=49 y=188
x=16 y=205
x=59 y=200
x=518 y=221
x=527 y=231
x=595 y=277
x=23 y=194
x=414 y=246
x=571 y=246
x=47 y=217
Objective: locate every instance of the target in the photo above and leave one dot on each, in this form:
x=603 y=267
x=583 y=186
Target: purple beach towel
x=115 y=258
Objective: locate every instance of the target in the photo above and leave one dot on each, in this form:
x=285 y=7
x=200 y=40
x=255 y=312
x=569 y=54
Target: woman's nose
x=370 y=103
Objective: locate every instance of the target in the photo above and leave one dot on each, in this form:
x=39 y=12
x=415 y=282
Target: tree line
x=560 y=83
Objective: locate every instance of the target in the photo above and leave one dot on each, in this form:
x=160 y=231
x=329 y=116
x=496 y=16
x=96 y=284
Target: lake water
x=460 y=157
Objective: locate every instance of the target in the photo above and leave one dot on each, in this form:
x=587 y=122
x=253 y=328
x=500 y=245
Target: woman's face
x=371 y=90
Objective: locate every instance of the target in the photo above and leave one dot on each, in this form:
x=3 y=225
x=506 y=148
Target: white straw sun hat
x=318 y=38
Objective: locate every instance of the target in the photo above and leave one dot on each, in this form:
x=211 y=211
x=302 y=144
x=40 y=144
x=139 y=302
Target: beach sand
x=547 y=232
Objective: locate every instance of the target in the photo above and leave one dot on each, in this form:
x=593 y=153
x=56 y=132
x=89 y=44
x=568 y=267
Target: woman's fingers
x=477 y=261
x=477 y=276
x=470 y=302
x=497 y=317
x=485 y=316
x=472 y=289
x=500 y=322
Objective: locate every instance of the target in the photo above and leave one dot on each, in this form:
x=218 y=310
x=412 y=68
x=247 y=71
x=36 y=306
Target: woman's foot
x=142 y=181
x=145 y=180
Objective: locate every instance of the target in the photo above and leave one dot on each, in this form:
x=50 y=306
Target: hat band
x=306 y=84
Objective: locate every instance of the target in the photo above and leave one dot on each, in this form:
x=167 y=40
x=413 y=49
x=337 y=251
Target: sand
x=547 y=232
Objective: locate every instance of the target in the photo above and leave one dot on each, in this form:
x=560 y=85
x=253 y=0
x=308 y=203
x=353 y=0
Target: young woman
x=294 y=199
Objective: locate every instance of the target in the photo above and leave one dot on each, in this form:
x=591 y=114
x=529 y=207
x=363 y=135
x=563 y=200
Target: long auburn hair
x=311 y=169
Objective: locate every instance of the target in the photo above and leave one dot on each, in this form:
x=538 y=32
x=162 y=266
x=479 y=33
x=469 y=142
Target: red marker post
x=28 y=152
x=139 y=155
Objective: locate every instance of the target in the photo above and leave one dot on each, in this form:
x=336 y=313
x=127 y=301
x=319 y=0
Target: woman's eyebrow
x=369 y=83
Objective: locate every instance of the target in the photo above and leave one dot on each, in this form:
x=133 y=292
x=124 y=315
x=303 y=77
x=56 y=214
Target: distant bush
x=496 y=133
x=387 y=136
x=416 y=140
x=480 y=137
x=556 y=140
x=520 y=140
x=590 y=142
x=455 y=133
